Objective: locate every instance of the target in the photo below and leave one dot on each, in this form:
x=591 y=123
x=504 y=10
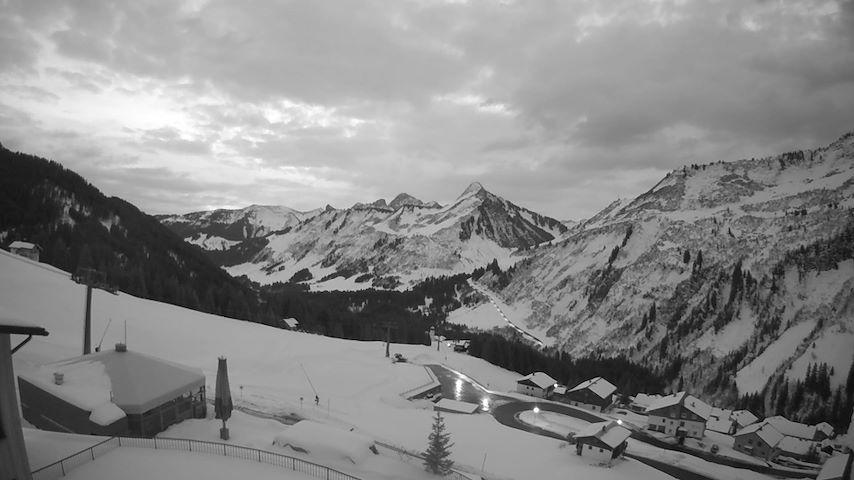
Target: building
x=743 y=418
x=796 y=448
x=640 y=402
x=759 y=440
x=837 y=467
x=680 y=415
x=823 y=431
x=720 y=420
x=115 y=392
x=14 y=463
x=25 y=249
x=537 y=384
x=595 y=394
x=604 y=440
x=792 y=429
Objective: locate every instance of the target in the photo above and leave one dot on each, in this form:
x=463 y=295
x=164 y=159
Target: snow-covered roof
x=794 y=445
x=24 y=245
x=560 y=390
x=610 y=433
x=744 y=417
x=601 y=387
x=644 y=400
x=291 y=322
x=137 y=382
x=690 y=402
x=538 y=379
x=720 y=420
x=765 y=431
x=825 y=428
x=457 y=406
x=792 y=429
x=13 y=324
x=321 y=439
x=834 y=467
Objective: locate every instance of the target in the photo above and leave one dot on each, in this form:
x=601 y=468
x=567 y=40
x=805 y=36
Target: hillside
x=379 y=244
x=78 y=226
x=269 y=370
x=736 y=273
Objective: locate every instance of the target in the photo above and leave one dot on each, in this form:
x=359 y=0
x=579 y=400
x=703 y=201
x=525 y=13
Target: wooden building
x=603 y=440
x=14 y=463
x=837 y=467
x=25 y=249
x=759 y=440
x=680 y=415
x=537 y=384
x=595 y=394
x=112 y=392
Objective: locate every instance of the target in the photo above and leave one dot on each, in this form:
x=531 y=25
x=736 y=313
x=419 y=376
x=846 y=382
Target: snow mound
x=326 y=441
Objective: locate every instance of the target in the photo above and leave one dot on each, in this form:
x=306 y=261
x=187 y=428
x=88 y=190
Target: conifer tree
x=438 y=449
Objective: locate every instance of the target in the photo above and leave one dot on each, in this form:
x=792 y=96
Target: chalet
x=114 y=392
x=604 y=440
x=595 y=394
x=837 y=467
x=720 y=420
x=14 y=462
x=759 y=440
x=743 y=418
x=792 y=429
x=25 y=249
x=536 y=384
x=823 y=431
x=640 y=402
x=680 y=414
x=796 y=448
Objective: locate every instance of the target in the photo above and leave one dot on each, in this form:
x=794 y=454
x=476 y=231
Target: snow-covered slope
x=378 y=244
x=269 y=370
x=655 y=277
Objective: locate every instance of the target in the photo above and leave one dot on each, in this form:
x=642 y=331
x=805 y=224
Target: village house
x=765 y=441
x=823 y=431
x=114 y=392
x=797 y=429
x=25 y=249
x=536 y=384
x=680 y=415
x=743 y=418
x=14 y=462
x=759 y=440
x=720 y=420
x=603 y=440
x=640 y=402
x=595 y=394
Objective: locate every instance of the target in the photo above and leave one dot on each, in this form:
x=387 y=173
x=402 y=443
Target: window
x=589 y=447
x=682 y=423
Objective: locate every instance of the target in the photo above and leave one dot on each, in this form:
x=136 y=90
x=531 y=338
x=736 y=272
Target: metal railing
x=60 y=468
x=415 y=391
x=414 y=458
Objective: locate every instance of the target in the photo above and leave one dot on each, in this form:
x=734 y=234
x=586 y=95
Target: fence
x=60 y=468
x=416 y=459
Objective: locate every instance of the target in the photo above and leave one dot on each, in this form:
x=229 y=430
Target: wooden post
x=13 y=451
x=87 y=323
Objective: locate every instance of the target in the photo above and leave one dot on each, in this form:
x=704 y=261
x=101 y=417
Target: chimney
x=121 y=347
x=58 y=378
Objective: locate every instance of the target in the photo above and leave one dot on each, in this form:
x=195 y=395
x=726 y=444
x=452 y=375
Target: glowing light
x=619 y=422
x=458 y=389
x=485 y=404
x=536 y=409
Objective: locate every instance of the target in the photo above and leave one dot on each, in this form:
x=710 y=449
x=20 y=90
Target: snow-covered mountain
x=376 y=244
x=731 y=273
x=223 y=228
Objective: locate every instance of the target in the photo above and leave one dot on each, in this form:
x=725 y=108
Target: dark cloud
x=559 y=106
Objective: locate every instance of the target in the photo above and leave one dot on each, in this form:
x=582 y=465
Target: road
x=491 y=298
x=460 y=387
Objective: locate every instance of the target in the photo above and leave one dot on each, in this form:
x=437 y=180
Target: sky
x=559 y=106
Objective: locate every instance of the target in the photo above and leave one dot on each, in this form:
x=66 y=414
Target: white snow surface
x=268 y=370
x=326 y=441
x=753 y=376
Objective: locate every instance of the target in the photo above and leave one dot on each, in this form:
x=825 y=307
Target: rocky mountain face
x=735 y=275
x=379 y=244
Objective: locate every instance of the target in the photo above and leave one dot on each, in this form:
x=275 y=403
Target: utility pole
x=388 y=326
x=91 y=278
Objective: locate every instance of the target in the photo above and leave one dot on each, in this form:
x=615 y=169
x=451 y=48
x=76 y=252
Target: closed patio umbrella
x=222 y=400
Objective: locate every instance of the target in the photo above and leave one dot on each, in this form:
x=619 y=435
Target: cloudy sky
x=559 y=106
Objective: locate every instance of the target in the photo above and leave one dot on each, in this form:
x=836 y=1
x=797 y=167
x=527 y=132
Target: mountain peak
x=472 y=189
x=404 y=199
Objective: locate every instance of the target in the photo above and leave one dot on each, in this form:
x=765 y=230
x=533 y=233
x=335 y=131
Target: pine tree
x=436 y=459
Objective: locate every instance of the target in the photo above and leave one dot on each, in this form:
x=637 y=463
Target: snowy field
x=269 y=370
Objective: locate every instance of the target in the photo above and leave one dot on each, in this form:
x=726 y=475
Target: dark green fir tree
x=438 y=449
